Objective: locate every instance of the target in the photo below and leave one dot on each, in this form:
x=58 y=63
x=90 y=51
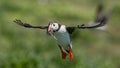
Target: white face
x=53 y=27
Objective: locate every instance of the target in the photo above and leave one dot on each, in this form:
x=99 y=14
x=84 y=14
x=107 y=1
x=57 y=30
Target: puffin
x=61 y=33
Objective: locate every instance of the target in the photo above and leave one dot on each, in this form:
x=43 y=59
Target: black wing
x=100 y=20
x=98 y=13
x=70 y=29
x=100 y=17
x=19 y=22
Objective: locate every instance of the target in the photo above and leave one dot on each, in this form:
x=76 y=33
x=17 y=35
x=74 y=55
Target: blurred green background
x=33 y=48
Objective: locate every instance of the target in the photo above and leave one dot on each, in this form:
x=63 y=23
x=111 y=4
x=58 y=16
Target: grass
x=30 y=48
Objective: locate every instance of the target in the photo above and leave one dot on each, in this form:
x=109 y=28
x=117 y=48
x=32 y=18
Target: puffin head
x=53 y=27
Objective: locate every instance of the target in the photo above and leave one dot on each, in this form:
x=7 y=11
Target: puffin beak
x=49 y=29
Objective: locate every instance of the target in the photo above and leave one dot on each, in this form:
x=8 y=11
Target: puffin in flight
x=61 y=33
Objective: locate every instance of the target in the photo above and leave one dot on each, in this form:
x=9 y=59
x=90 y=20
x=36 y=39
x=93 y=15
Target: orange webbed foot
x=70 y=55
x=64 y=55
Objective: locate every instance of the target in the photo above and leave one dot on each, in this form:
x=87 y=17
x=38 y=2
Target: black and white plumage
x=61 y=33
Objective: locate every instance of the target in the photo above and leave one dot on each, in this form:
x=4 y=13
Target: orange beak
x=49 y=29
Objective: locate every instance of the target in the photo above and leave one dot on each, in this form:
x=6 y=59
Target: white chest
x=62 y=38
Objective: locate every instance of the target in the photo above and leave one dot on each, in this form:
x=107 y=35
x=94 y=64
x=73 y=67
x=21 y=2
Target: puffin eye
x=53 y=24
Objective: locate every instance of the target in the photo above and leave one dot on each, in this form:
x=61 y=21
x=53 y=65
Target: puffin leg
x=62 y=52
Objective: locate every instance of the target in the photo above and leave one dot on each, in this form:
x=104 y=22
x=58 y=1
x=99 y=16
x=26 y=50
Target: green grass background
x=33 y=48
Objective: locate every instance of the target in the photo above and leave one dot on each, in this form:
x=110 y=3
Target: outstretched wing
x=100 y=17
x=99 y=14
x=19 y=22
x=100 y=20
